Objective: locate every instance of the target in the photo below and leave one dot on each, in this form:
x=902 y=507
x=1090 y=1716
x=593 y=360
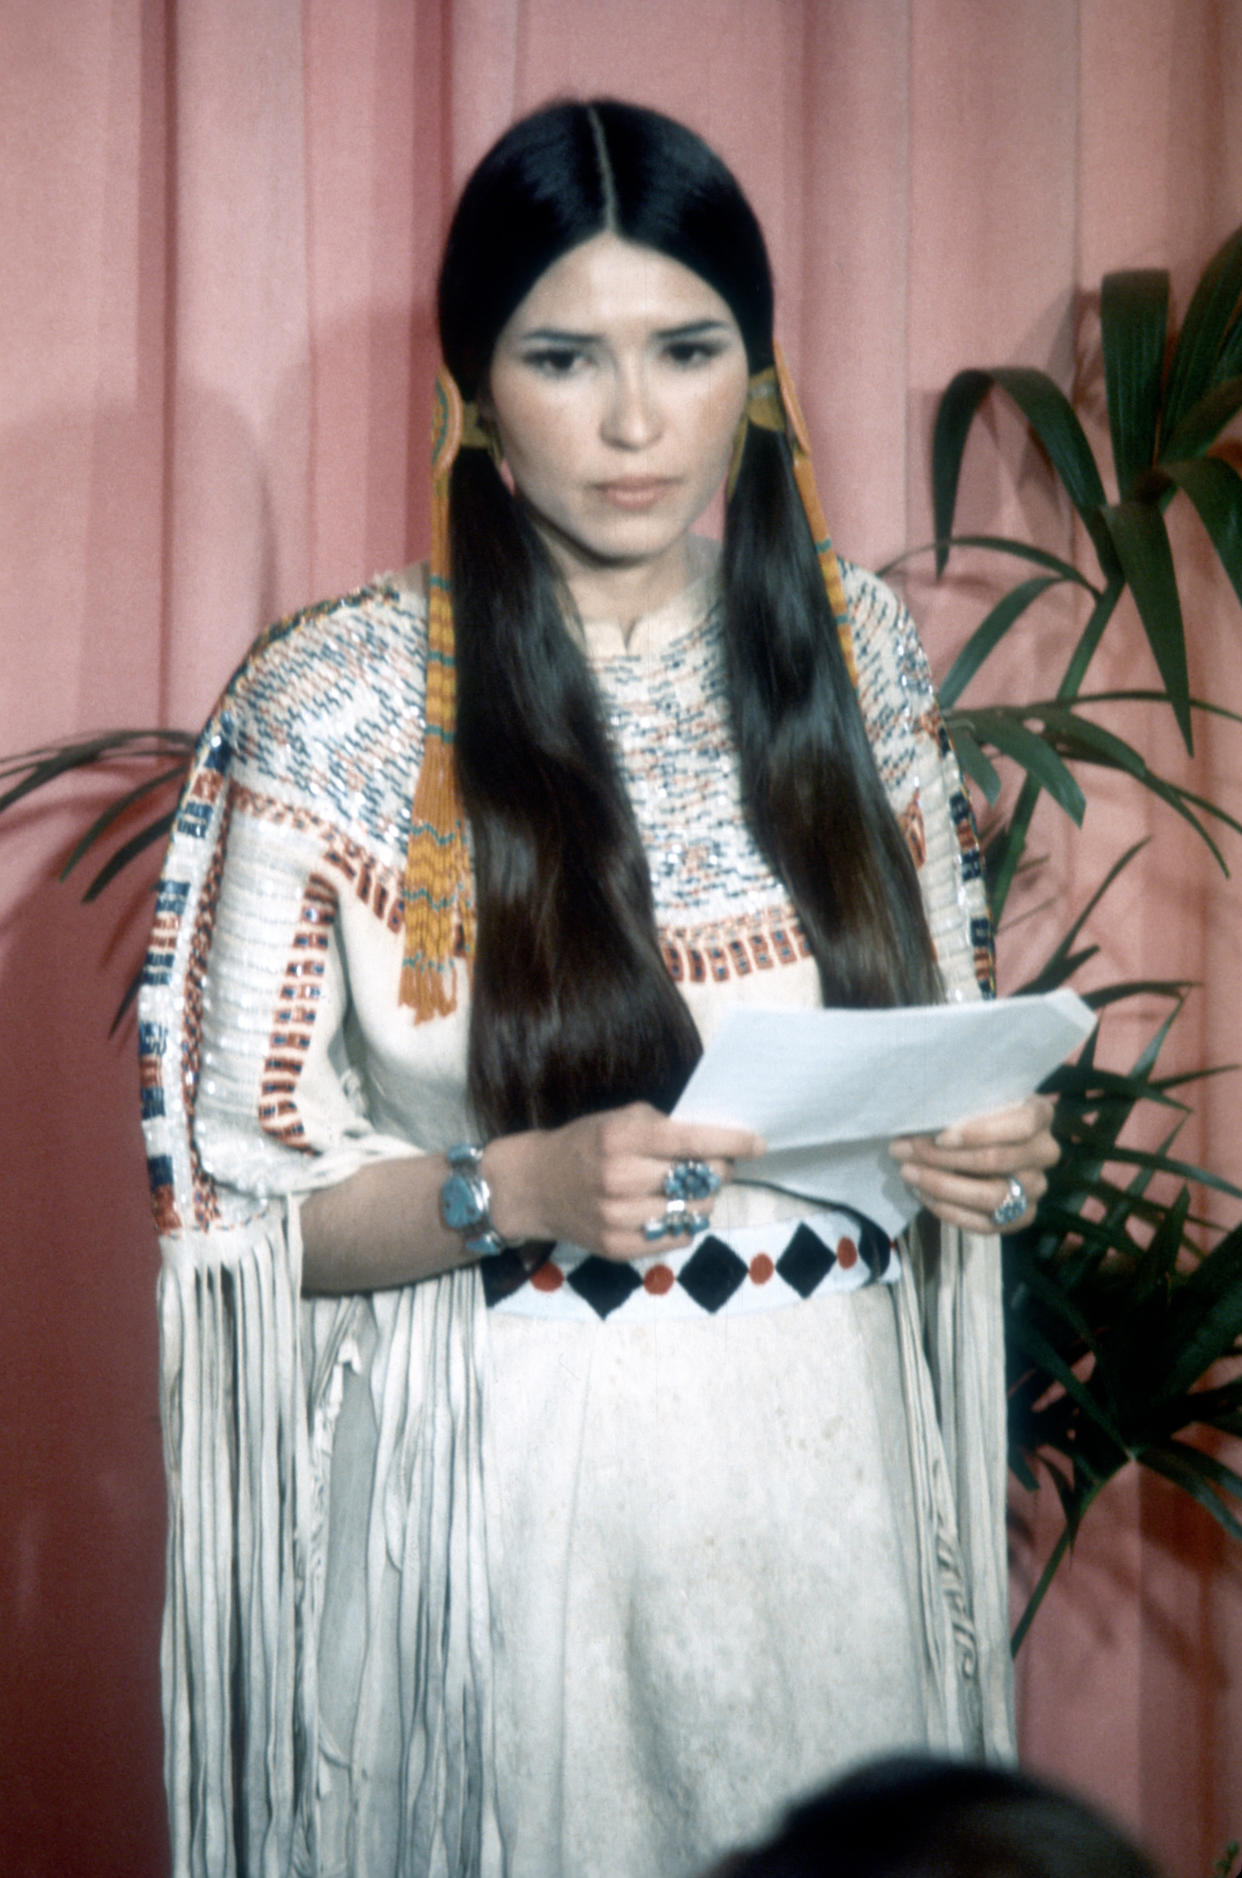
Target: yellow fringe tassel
x=439 y=901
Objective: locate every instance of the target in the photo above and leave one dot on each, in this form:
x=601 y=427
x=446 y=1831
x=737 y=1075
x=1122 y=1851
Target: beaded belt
x=756 y=1268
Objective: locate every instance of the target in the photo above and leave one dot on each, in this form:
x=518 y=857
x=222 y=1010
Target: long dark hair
x=573 y=1008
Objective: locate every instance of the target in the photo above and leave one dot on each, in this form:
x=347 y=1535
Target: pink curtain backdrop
x=219 y=230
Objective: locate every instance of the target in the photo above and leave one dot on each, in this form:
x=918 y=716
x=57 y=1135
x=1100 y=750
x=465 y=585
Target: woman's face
x=616 y=388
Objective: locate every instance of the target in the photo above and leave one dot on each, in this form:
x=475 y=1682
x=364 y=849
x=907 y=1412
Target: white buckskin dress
x=595 y=1576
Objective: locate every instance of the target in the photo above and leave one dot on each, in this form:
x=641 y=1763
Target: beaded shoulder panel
x=325 y=715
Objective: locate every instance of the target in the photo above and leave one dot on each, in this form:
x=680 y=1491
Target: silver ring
x=1014 y=1204
x=672 y=1221
x=690 y=1180
x=676 y=1220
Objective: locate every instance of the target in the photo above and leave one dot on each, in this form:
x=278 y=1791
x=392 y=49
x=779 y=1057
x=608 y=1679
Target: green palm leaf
x=1204 y=344
x=1209 y=705
x=1054 y=970
x=1213 y=1407
x=998 y=544
x=1160 y=1163
x=1032 y=1342
x=973 y=762
x=113 y=813
x=1134 y=312
x=1103 y=995
x=146 y=837
x=1204 y=421
x=1142 y=543
x=1051 y=417
x=1035 y=1280
x=1004 y=731
x=989 y=633
x=1204 y=1316
x=1215 y=488
x=1114 y=1083
x=1074 y=738
x=1078 y=739
x=47 y=764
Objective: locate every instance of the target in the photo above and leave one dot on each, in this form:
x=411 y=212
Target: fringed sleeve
x=250 y=1102
x=238 y=1679
x=961 y=1325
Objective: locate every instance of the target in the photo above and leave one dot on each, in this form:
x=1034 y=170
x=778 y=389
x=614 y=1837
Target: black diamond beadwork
x=874 y=1246
x=603 y=1283
x=805 y=1261
x=712 y=1274
x=502 y=1276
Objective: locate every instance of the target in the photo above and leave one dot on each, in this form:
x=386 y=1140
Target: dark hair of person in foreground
x=919 y=1817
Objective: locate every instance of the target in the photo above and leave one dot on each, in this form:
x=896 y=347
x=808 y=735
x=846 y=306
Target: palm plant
x=1163 y=418
x=1121 y=1301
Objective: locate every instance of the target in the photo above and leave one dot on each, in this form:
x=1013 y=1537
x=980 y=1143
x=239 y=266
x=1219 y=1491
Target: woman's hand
x=598 y=1181
x=962 y=1174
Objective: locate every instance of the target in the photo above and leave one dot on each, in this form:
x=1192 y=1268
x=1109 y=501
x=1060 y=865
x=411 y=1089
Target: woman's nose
x=632 y=417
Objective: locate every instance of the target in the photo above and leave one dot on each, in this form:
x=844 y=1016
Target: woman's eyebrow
x=693 y=329
x=558 y=335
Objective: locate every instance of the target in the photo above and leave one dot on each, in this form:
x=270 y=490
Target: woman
x=543 y=1501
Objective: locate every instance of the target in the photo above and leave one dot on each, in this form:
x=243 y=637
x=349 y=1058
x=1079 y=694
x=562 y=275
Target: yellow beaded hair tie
x=772 y=404
x=439 y=901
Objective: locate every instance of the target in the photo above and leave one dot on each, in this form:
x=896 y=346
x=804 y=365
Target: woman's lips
x=636 y=492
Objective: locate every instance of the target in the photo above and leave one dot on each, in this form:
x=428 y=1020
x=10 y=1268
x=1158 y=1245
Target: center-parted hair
x=573 y=1009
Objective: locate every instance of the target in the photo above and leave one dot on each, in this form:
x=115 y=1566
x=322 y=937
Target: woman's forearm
x=595 y=1182
x=382 y=1226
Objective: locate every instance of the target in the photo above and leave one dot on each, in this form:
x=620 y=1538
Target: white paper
x=828 y=1089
